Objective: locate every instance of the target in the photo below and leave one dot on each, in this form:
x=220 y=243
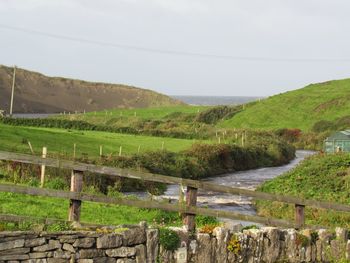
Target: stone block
x=37 y=255
x=52 y=245
x=134 y=236
x=86 y=242
x=40 y=260
x=121 y=252
x=125 y=260
x=341 y=234
x=85 y=261
x=91 y=253
x=204 y=250
x=34 y=242
x=152 y=247
x=68 y=247
x=62 y=254
x=11 y=244
x=109 y=241
x=14 y=257
x=57 y=260
x=105 y=260
x=14 y=251
x=140 y=254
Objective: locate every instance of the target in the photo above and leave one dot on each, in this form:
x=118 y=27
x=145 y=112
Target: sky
x=181 y=47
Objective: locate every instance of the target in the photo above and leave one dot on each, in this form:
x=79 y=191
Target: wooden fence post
x=299 y=215
x=191 y=200
x=42 y=176
x=76 y=186
x=101 y=150
x=74 y=150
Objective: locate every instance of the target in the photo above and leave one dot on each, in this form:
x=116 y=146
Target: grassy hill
x=37 y=93
x=300 y=108
x=319 y=177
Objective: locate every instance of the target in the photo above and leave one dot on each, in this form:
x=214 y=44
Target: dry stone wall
x=264 y=245
x=134 y=245
x=141 y=244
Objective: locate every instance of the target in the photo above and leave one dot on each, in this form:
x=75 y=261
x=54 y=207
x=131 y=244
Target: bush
x=215 y=114
x=169 y=239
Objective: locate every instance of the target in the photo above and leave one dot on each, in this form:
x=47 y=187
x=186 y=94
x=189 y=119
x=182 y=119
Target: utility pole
x=13 y=89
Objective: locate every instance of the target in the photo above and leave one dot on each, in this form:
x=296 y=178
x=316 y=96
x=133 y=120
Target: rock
x=152 y=240
x=121 y=252
x=14 y=251
x=324 y=235
x=125 y=260
x=290 y=240
x=222 y=237
x=233 y=227
x=319 y=248
x=140 y=253
x=204 y=250
x=53 y=244
x=62 y=254
x=134 y=236
x=341 y=234
x=41 y=260
x=86 y=242
x=34 y=242
x=109 y=241
x=105 y=260
x=336 y=251
x=56 y=260
x=68 y=238
x=68 y=247
x=91 y=253
x=12 y=244
x=85 y=261
x=37 y=255
x=271 y=244
x=14 y=257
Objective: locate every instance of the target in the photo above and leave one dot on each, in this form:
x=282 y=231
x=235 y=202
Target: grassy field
x=153 y=113
x=296 y=109
x=320 y=177
x=60 y=141
x=45 y=207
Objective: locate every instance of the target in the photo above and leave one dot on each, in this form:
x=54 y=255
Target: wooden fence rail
x=189 y=209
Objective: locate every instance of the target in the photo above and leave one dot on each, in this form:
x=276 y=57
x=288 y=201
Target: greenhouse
x=338 y=142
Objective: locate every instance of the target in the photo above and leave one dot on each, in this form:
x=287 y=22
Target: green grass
x=296 y=109
x=46 y=207
x=60 y=141
x=153 y=113
x=320 y=177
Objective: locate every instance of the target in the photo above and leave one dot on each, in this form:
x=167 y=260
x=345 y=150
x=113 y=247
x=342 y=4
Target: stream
x=249 y=179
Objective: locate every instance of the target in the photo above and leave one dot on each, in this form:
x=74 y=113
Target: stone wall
x=140 y=244
x=262 y=245
x=133 y=245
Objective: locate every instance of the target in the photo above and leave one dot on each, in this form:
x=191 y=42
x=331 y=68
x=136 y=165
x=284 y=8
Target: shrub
x=234 y=245
x=215 y=114
x=169 y=239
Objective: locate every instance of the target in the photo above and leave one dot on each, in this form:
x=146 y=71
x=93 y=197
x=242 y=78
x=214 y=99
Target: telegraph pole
x=13 y=89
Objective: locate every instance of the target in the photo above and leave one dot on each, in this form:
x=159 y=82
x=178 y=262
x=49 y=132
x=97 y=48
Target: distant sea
x=215 y=100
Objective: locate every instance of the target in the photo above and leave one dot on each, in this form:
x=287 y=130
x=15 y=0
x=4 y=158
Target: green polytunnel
x=338 y=142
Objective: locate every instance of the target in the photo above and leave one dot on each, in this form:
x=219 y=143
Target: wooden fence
x=189 y=208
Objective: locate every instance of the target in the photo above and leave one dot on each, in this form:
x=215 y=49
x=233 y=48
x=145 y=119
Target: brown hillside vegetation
x=37 y=93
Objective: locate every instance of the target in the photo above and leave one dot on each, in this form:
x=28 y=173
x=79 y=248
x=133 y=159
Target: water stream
x=244 y=179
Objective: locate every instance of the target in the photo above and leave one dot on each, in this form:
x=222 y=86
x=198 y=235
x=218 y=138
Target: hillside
x=319 y=177
x=37 y=93
x=300 y=108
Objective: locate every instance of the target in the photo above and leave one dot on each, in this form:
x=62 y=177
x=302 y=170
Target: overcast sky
x=282 y=45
